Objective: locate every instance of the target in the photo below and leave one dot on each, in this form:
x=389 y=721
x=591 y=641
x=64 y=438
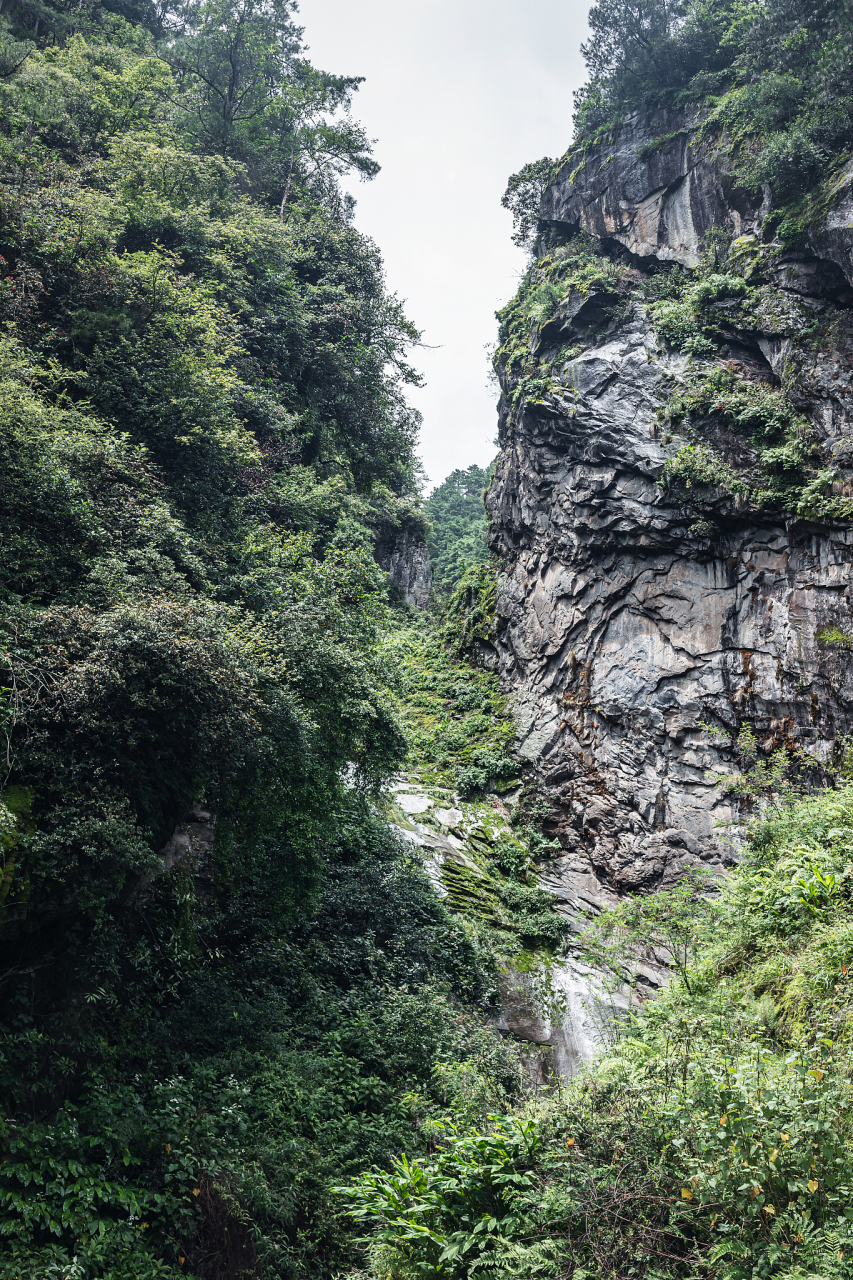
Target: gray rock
x=407 y=564
x=636 y=639
x=656 y=189
x=413 y=804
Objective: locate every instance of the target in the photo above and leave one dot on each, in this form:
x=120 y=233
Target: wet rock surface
x=558 y=1006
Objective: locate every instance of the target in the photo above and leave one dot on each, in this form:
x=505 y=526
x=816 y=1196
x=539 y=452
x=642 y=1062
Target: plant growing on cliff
x=776 y=473
x=663 y=927
x=522 y=198
x=530 y=356
x=775 y=74
x=699 y=465
x=647 y=51
x=713 y=1138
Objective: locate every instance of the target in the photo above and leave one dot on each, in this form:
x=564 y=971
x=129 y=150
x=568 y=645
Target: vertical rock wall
x=407 y=563
x=640 y=632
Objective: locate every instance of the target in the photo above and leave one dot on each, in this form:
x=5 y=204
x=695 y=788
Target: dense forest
x=242 y=1035
x=204 y=436
x=457 y=525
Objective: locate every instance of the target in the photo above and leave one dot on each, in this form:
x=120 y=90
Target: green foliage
x=699 y=465
x=457 y=520
x=777 y=473
x=460 y=735
x=224 y=985
x=650 y=51
x=456 y=716
x=712 y=1138
x=762 y=780
x=522 y=198
x=458 y=1211
x=202 y=437
x=469 y=623
x=683 y=318
x=717 y=402
x=258 y=1080
x=532 y=360
x=665 y=925
x=775 y=74
x=89 y=1163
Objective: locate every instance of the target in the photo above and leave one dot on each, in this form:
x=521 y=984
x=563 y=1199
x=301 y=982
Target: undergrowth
x=711 y=1138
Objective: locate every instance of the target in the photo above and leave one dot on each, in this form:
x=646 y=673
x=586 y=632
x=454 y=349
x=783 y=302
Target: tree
x=457 y=517
x=523 y=196
x=643 y=51
x=252 y=97
x=664 y=926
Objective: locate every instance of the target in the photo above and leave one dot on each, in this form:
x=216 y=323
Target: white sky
x=459 y=94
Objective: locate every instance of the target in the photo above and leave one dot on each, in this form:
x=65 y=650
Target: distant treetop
x=457 y=518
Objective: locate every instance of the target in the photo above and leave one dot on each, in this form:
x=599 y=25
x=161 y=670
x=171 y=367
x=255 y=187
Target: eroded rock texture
x=638 y=635
x=407 y=564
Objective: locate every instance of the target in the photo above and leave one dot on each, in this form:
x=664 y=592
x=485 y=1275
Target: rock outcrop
x=561 y=1011
x=407 y=564
x=641 y=628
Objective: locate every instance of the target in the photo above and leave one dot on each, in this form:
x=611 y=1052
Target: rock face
x=562 y=1021
x=407 y=563
x=655 y=201
x=641 y=633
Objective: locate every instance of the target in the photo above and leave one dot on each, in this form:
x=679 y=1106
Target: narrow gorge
x=407 y=887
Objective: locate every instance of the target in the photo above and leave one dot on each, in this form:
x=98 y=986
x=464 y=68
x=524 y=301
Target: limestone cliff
x=672 y=502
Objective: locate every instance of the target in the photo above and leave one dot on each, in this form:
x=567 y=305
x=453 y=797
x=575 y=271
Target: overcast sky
x=458 y=94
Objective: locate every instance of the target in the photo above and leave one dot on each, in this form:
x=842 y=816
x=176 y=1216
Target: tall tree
x=253 y=97
x=457 y=518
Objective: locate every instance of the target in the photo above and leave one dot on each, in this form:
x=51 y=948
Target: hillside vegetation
x=713 y=1136
x=457 y=526
x=203 y=437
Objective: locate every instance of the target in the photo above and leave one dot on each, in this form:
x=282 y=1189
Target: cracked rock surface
x=636 y=639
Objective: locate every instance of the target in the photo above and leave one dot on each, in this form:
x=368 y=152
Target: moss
x=455 y=715
x=460 y=734
x=529 y=357
x=782 y=447
x=470 y=616
x=656 y=145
